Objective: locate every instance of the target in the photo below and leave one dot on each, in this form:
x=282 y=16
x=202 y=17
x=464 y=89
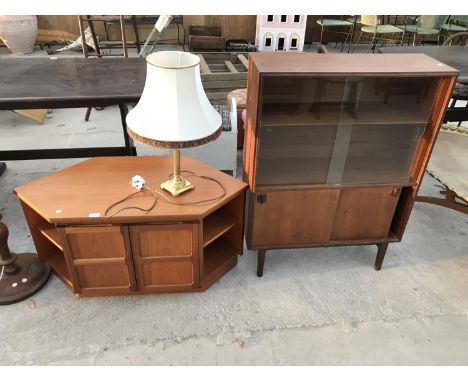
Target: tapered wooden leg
x=260 y=262
x=2 y=167
x=382 y=249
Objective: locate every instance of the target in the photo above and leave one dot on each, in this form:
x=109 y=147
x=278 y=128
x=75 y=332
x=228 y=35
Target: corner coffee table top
x=80 y=194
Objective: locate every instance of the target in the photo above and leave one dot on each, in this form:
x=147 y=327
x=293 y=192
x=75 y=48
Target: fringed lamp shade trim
x=175 y=145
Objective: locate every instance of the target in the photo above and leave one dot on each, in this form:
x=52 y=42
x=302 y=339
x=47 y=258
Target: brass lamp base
x=176 y=185
x=175 y=188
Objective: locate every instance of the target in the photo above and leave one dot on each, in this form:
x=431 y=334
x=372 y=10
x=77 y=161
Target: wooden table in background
x=43 y=83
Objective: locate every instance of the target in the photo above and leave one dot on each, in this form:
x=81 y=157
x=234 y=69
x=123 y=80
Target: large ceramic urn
x=19 y=33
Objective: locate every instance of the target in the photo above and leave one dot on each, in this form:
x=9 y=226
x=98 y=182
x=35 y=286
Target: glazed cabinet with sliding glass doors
x=336 y=146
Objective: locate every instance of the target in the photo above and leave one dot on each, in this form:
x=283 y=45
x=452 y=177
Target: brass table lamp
x=174 y=111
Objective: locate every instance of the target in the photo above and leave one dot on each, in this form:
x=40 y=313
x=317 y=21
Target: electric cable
x=167 y=199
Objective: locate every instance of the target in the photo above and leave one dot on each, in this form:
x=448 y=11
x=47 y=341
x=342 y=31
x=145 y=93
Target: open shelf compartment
x=216 y=224
x=219 y=254
x=57 y=263
x=52 y=234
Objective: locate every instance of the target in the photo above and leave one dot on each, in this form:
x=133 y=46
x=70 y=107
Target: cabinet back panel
x=365 y=213
x=286 y=217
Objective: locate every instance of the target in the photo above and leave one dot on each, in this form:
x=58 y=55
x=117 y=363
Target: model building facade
x=280 y=33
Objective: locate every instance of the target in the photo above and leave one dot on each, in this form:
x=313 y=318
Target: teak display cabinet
x=173 y=248
x=336 y=146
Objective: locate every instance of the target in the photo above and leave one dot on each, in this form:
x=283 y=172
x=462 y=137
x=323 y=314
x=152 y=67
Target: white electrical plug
x=137 y=182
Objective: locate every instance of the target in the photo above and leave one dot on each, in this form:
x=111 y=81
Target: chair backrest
x=432 y=21
x=460 y=38
x=370 y=20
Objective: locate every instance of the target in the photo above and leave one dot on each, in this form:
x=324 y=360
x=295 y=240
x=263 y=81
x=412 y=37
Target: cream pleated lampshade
x=173 y=111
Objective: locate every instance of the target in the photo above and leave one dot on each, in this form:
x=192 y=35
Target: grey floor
x=313 y=306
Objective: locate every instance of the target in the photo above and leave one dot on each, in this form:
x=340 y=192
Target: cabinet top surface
x=69 y=196
x=350 y=64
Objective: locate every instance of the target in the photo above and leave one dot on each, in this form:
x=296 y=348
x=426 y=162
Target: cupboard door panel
x=168 y=273
x=166 y=256
x=101 y=257
x=95 y=242
x=166 y=242
x=101 y=275
x=365 y=213
x=283 y=218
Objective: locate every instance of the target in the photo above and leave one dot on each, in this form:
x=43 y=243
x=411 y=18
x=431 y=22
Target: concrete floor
x=323 y=306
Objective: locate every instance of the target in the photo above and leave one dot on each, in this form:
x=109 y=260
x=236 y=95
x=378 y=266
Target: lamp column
x=21 y=275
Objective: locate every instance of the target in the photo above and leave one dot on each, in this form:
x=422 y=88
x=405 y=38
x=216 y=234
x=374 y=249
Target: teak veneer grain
x=173 y=248
x=336 y=146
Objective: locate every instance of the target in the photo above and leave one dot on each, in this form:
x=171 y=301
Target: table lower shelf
x=218 y=258
x=59 y=266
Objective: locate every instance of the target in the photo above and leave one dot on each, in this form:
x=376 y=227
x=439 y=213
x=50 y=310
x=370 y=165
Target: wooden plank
x=224 y=84
x=218 y=60
x=216 y=55
x=224 y=76
x=37 y=115
x=203 y=65
x=244 y=60
x=217 y=96
x=44 y=35
x=220 y=66
x=237 y=26
x=216 y=225
x=51 y=233
x=206 y=43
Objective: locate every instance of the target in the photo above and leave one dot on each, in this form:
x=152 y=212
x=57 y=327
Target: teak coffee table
x=172 y=248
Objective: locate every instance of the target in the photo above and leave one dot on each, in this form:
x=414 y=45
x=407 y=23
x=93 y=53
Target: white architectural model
x=280 y=33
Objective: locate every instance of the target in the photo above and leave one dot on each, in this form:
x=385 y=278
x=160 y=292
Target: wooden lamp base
x=30 y=275
x=21 y=275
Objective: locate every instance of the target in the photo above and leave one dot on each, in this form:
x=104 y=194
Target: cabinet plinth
x=172 y=248
x=336 y=146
